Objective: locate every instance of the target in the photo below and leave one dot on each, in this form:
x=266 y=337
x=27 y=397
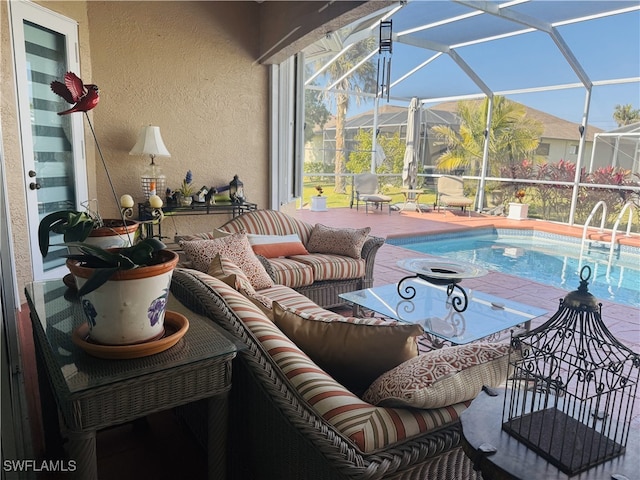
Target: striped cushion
x=269 y=222
x=300 y=304
x=370 y=428
x=332 y=267
x=291 y=273
x=293 y=300
x=231 y=274
x=227 y=271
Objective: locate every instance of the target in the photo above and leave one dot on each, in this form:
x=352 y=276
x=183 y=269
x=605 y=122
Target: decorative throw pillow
x=272 y=246
x=224 y=269
x=441 y=377
x=236 y=248
x=201 y=236
x=231 y=274
x=338 y=241
x=353 y=354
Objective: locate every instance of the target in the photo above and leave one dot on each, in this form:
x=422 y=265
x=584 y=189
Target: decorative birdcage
x=571 y=395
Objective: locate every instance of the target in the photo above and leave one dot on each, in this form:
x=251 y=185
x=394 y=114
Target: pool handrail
x=602 y=204
x=631 y=206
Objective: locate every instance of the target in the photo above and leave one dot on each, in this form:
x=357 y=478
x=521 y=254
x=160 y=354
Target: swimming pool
x=541 y=257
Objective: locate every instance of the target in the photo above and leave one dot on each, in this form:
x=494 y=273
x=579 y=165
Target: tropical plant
x=626 y=115
x=512 y=136
x=361 y=79
x=315 y=113
x=393 y=147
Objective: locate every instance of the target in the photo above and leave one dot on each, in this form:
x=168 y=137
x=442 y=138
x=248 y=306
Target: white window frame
x=286 y=131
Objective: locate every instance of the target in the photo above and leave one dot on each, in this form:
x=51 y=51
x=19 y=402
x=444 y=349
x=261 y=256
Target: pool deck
x=622 y=321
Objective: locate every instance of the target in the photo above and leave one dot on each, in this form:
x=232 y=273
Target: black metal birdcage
x=570 y=398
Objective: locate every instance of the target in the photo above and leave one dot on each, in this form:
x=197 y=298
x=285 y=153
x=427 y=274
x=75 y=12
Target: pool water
x=541 y=257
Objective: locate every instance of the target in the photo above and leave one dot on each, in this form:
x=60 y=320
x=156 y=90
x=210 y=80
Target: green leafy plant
x=73 y=225
x=75 y=228
x=106 y=262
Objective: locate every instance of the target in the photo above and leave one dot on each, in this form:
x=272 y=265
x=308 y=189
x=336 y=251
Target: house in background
x=559 y=140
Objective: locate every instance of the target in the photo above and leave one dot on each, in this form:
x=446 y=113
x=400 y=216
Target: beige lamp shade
x=150 y=143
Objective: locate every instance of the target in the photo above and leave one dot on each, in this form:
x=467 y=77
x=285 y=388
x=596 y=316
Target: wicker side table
x=92 y=393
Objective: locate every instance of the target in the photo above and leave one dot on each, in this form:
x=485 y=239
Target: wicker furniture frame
x=104 y=393
x=277 y=435
x=324 y=293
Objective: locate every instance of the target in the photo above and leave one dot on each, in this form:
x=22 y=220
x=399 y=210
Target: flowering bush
x=520 y=195
x=319 y=190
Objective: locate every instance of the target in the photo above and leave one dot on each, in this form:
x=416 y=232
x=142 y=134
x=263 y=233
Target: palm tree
x=361 y=80
x=626 y=115
x=512 y=137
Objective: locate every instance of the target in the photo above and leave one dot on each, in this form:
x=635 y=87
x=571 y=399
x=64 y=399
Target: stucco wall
x=187 y=67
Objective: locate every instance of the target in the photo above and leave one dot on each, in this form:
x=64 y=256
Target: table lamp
x=150 y=143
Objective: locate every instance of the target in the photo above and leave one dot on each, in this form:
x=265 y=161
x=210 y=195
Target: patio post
x=583 y=136
x=485 y=155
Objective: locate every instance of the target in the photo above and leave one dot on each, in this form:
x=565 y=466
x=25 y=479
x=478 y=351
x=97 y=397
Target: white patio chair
x=451 y=193
x=366 y=190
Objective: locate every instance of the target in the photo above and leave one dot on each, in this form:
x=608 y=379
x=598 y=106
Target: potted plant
x=123 y=291
x=319 y=202
x=87 y=226
x=185 y=192
x=518 y=210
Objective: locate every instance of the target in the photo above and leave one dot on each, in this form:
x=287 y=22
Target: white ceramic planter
x=318 y=204
x=130 y=307
x=113 y=237
x=518 y=211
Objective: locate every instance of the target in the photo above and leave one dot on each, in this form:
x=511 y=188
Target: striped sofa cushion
x=332 y=267
x=368 y=427
x=295 y=301
x=269 y=222
x=291 y=272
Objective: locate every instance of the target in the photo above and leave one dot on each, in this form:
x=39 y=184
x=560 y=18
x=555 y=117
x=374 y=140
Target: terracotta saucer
x=175 y=326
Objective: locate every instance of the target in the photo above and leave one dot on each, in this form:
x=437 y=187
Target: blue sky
x=607 y=48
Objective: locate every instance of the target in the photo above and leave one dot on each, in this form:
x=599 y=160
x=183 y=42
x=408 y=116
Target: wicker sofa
x=319 y=276
x=292 y=420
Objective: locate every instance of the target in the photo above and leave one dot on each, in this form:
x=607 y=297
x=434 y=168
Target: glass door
x=45 y=47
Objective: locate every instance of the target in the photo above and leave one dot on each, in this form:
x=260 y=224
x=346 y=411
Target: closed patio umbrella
x=410 y=168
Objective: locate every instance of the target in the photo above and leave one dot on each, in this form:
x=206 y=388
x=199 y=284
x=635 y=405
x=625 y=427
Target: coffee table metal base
x=459 y=304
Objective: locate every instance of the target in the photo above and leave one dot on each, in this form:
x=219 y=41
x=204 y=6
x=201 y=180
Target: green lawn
x=335 y=200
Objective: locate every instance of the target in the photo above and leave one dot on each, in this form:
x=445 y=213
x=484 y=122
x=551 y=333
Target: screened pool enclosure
x=534 y=96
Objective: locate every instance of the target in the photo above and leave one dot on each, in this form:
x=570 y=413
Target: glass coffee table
x=485 y=317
